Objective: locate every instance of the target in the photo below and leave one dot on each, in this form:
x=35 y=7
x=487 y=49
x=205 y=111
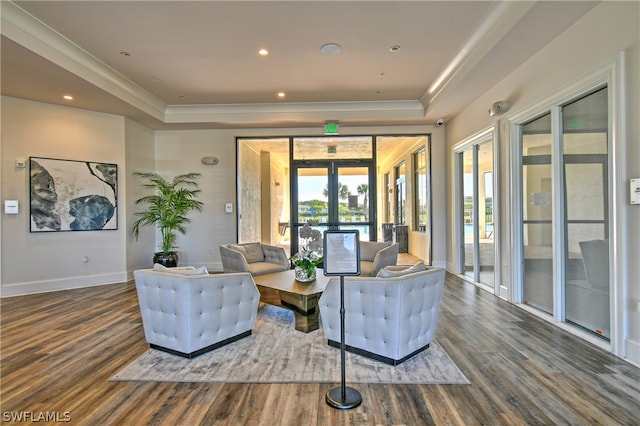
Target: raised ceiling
x=194 y=64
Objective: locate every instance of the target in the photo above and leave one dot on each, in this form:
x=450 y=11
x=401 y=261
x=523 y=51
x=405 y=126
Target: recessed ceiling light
x=281 y=94
x=330 y=49
x=394 y=49
x=263 y=52
x=68 y=97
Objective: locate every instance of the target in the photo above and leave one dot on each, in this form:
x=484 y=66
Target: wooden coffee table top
x=285 y=281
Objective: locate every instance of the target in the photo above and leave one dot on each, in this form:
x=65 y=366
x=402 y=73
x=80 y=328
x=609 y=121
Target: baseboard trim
x=46 y=286
x=633 y=352
x=439 y=264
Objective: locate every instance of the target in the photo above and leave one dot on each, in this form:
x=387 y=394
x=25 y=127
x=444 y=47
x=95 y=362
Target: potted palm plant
x=167 y=209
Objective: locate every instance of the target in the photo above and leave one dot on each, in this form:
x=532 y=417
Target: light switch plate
x=11 y=207
x=634 y=191
x=228 y=207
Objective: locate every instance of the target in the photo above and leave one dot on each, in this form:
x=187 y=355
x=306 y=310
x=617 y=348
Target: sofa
x=376 y=255
x=390 y=317
x=187 y=312
x=255 y=258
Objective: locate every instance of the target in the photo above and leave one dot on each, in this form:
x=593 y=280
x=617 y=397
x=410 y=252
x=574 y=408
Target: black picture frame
x=71 y=195
x=341 y=252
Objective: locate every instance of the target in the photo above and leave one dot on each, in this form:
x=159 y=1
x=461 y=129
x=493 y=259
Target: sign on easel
x=341 y=253
x=341 y=258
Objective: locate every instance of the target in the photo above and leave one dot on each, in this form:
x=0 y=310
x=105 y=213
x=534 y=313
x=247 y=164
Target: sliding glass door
x=475 y=217
x=565 y=213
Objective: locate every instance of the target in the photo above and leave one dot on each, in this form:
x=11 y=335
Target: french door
x=475 y=177
x=336 y=194
x=565 y=210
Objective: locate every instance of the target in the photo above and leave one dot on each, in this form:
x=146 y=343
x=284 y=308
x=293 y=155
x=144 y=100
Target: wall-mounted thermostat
x=634 y=191
x=11 y=207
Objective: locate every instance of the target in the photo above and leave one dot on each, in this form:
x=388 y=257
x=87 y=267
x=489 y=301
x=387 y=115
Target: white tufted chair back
x=389 y=319
x=191 y=314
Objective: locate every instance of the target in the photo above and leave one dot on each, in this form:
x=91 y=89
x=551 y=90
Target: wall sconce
x=209 y=161
x=499 y=108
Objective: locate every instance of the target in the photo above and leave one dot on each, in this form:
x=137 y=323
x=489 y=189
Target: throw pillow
x=253 y=252
x=391 y=273
x=239 y=248
x=183 y=270
x=369 y=249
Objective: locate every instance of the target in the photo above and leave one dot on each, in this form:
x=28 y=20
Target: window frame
x=421 y=168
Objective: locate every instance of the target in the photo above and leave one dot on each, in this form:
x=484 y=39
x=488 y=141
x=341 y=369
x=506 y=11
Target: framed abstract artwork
x=69 y=195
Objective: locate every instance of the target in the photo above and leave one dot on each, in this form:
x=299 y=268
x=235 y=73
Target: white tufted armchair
x=388 y=319
x=187 y=314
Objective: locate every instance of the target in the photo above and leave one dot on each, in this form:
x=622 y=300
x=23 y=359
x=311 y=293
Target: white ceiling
x=194 y=64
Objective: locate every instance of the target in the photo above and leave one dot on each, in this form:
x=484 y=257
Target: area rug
x=277 y=353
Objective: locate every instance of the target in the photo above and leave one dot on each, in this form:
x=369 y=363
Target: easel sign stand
x=342 y=258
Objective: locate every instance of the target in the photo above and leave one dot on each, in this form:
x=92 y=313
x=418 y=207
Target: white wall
x=46 y=261
x=592 y=42
x=179 y=152
x=139 y=157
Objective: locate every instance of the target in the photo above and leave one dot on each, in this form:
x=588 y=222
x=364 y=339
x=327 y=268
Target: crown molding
x=31 y=33
x=498 y=22
x=294 y=112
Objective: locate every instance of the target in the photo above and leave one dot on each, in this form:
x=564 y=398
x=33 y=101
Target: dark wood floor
x=60 y=349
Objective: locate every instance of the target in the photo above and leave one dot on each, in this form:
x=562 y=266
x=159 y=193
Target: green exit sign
x=331 y=128
x=575 y=123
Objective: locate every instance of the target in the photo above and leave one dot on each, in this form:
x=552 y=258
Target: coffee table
x=301 y=298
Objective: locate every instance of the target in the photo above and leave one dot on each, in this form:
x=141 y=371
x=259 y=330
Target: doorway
x=475 y=200
x=565 y=213
x=333 y=195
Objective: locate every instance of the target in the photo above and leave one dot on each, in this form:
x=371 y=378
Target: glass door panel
x=486 y=244
x=354 y=200
x=311 y=200
x=401 y=194
x=537 y=236
x=311 y=195
x=469 y=213
x=475 y=176
x=587 y=213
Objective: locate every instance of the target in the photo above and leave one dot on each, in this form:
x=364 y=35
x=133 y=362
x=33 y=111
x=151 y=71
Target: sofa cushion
x=253 y=252
x=369 y=249
x=184 y=270
x=261 y=268
x=366 y=268
x=391 y=272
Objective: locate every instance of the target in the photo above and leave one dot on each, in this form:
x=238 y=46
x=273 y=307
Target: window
x=401 y=194
x=421 y=205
